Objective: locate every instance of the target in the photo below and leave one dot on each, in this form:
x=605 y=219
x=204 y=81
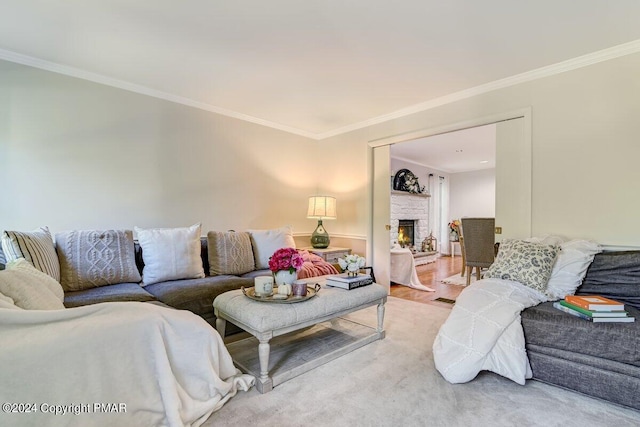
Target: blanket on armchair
x=140 y=363
x=484 y=332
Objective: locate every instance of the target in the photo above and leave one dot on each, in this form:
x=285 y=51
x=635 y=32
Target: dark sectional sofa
x=598 y=359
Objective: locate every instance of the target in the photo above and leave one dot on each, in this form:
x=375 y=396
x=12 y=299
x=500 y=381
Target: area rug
x=393 y=382
x=456 y=279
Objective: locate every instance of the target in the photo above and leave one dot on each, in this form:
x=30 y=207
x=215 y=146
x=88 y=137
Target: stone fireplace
x=413 y=211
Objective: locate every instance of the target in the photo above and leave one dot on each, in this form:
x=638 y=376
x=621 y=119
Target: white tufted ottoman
x=266 y=320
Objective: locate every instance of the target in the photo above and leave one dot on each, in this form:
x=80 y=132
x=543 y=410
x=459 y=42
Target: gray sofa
x=195 y=295
x=601 y=360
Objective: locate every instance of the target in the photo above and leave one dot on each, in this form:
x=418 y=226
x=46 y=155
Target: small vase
x=352 y=270
x=453 y=236
x=284 y=277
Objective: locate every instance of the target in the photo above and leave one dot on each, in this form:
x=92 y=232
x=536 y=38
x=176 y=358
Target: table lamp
x=321 y=207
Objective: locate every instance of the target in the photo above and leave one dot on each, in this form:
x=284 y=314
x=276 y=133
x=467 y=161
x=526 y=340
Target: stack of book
x=594 y=308
x=349 y=282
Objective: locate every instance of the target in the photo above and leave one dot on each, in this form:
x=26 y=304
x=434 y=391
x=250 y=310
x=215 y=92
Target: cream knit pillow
x=29 y=288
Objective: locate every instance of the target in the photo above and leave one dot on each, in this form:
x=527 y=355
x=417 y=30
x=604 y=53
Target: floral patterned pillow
x=529 y=263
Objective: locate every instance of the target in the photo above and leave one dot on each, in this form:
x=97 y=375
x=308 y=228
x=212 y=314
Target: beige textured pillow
x=35 y=246
x=230 y=253
x=170 y=253
x=30 y=288
x=93 y=258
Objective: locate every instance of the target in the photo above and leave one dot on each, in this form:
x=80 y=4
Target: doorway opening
x=512 y=188
x=458 y=169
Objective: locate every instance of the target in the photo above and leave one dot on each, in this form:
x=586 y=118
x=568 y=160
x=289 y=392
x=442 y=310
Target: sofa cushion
x=230 y=253
x=549 y=327
x=170 y=253
x=35 y=246
x=92 y=258
x=614 y=275
x=266 y=242
x=30 y=288
x=111 y=293
x=256 y=273
x=196 y=295
x=529 y=263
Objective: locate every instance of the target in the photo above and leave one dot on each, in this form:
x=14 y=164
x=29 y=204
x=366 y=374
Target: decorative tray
x=311 y=292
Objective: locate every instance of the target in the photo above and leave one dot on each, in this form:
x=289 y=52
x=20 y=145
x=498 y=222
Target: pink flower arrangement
x=286 y=259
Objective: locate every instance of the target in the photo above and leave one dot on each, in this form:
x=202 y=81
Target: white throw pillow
x=266 y=242
x=29 y=288
x=170 y=253
x=571 y=265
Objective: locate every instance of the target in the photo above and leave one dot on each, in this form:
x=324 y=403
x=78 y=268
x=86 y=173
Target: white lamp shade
x=322 y=207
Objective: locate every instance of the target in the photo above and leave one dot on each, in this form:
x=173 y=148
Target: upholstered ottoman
x=297 y=352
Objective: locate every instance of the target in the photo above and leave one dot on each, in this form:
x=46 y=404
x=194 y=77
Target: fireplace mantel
x=406 y=193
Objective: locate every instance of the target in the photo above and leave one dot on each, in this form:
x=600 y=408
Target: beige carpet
x=393 y=382
x=456 y=279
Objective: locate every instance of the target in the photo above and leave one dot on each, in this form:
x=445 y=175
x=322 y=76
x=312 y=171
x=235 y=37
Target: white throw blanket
x=140 y=363
x=484 y=332
x=403 y=269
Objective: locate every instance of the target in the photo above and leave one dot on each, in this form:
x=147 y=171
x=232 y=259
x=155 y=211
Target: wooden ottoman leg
x=264 y=383
x=221 y=326
x=381 y=319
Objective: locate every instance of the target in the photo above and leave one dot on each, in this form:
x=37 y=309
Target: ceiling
x=460 y=151
x=315 y=67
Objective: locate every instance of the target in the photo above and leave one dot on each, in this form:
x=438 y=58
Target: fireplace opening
x=406 y=232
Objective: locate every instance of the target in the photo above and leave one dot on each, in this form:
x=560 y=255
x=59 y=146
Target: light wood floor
x=431 y=275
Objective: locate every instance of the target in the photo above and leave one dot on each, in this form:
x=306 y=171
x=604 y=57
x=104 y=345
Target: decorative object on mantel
x=454 y=230
x=321 y=207
x=405 y=180
x=351 y=264
x=285 y=263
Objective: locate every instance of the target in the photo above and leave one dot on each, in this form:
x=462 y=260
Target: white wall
x=76 y=154
x=584 y=149
x=472 y=194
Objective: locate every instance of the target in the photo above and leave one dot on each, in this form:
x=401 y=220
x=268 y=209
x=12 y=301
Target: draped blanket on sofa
x=484 y=332
x=159 y=366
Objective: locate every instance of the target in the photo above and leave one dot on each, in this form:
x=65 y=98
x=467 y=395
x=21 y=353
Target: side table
x=454 y=243
x=330 y=254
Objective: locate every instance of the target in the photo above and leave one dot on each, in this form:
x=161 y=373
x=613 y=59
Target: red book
x=594 y=302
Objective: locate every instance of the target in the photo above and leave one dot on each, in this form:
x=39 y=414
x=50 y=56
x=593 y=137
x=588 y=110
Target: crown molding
x=550 y=70
x=143 y=90
x=560 y=67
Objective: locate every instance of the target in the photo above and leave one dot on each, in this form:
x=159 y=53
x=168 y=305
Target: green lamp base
x=320 y=237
